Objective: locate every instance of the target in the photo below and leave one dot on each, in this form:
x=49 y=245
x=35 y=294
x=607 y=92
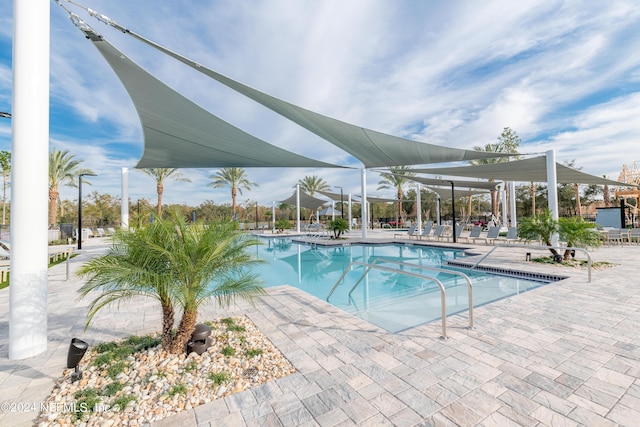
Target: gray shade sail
x=306 y=201
x=178 y=133
x=381 y=200
x=334 y=196
x=372 y=148
x=527 y=170
x=329 y=211
x=445 y=192
x=484 y=185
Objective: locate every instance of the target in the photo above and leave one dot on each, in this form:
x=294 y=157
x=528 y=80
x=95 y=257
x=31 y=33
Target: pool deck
x=564 y=354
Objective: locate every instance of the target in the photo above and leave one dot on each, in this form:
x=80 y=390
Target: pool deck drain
x=567 y=353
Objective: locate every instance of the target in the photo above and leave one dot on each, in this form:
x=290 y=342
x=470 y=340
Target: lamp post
x=80 y=207
x=341 y=202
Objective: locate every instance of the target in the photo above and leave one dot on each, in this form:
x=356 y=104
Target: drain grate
x=250 y=372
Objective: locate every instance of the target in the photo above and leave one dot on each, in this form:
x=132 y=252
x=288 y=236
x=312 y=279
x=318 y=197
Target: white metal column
x=419 y=209
x=512 y=203
x=29 y=179
x=124 y=202
x=297 y=208
x=552 y=190
x=365 y=213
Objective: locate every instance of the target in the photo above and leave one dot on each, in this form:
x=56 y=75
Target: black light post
x=80 y=206
x=341 y=202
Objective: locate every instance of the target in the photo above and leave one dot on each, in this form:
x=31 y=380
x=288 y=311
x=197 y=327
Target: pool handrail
x=521 y=245
x=443 y=298
x=439 y=270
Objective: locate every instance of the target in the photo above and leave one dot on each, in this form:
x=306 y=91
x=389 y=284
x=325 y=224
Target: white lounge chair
x=410 y=232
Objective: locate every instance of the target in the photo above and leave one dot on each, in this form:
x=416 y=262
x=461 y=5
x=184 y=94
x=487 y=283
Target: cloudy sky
x=562 y=74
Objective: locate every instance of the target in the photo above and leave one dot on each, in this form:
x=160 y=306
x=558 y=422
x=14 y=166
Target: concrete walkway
x=563 y=354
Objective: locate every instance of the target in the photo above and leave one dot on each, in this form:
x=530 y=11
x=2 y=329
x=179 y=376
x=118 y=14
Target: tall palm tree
x=182 y=265
x=160 y=175
x=396 y=179
x=63 y=170
x=311 y=184
x=508 y=142
x=5 y=170
x=234 y=178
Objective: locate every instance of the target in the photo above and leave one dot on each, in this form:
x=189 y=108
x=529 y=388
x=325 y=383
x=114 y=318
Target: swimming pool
x=388 y=299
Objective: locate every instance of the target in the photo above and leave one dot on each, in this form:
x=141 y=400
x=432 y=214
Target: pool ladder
x=443 y=298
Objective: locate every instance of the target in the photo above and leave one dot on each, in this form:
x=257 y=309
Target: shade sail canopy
x=381 y=200
x=334 y=196
x=179 y=133
x=445 y=192
x=329 y=211
x=372 y=148
x=306 y=201
x=484 y=185
x=527 y=170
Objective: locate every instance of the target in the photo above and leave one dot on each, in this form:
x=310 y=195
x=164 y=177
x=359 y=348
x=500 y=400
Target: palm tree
x=508 y=142
x=236 y=179
x=63 y=169
x=160 y=175
x=181 y=265
x=311 y=184
x=577 y=233
x=5 y=170
x=396 y=178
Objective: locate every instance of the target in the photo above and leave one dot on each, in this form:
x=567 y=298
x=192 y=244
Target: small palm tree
x=63 y=170
x=396 y=178
x=311 y=184
x=338 y=226
x=540 y=227
x=577 y=233
x=181 y=265
x=160 y=175
x=234 y=178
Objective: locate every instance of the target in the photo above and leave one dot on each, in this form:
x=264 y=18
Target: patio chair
x=426 y=230
x=473 y=234
x=100 y=232
x=437 y=232
x=492 y=234
x=458 y=230
x=634 y=235
x=615 y=236
x=410 y=232
x=512 y=236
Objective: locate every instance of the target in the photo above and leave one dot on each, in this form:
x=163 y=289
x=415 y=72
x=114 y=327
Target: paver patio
x=564 y=354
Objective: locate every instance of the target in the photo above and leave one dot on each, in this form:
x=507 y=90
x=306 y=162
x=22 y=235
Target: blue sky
x=562 y=74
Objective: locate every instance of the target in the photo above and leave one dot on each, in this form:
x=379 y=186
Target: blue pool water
x=388 y=299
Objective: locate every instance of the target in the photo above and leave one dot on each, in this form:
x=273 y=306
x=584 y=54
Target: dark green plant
x=338 y=226
x=542 y=226
x=177 y=389
x=283 y=224
x=228 y=351
x=112 y=388
x=122 y=401
x=86 y=401
x=252 y=352
x=116 y=369
x=578 y=233
x=218 y=377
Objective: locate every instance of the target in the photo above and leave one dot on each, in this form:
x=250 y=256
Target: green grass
x=122 y=401
x=252 y=352
x=228 y=351
x=111 y=389
x=177 y=389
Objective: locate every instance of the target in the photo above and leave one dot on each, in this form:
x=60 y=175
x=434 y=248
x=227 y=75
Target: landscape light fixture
x=5 y=115
x=77 y=349
x=80 y=207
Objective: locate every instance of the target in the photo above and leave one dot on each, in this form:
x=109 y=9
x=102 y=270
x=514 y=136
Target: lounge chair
x=473 y=234
x=491 y=236
x=437 y=232
x=634 y=235
x=100 y=232
x=426 y=230
x=458 y=230
x=615 y=236
x=512 y=236
x=410 y=232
